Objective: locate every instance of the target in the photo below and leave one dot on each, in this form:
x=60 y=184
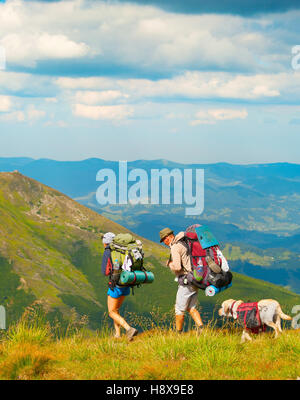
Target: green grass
x=31 y=350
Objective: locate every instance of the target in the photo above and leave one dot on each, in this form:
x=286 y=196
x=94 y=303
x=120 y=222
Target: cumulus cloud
x=136 y=37
x=114 y=113
x=25 y=84
x=51 y=100
x=93 y=97
x=14 y=116
x=84 y=83
x=5 y=103
x=211 y=116
x=19 y=112
x=26 y=49
x=34 y=114
x=196 y=57
x=193 y=85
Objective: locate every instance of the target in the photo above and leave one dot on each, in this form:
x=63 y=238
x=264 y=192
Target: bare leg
x=116 y=324
x=278 y=323
x=274 y=326
x=113 y=311
x=179 y=320
x=194 y=313
x=245 y=336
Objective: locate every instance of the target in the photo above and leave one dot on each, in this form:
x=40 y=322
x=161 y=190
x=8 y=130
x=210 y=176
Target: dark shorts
x=118 y=292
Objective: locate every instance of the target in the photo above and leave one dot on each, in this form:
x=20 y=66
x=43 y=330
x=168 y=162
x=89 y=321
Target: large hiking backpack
x=127 y=251
x=126 y=256
x=209 y=266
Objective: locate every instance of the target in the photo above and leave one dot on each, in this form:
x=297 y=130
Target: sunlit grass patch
x=26 y=362
x=32 y=350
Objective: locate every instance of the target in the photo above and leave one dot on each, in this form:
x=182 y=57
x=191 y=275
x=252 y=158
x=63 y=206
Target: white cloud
x=84 y=83
x=92 y=97
x=5 y=103
x=211 y=116
x=17 y=83
x=115 y=113
x=137 y=36
x=28 y=48
x=223 y=114
x=149 y=39
x=51 y=100
x=14 y=116
x=34 y=114
x=192 y=85
x=29 y=113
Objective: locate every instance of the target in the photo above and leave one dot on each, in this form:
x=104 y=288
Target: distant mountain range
x=254 y=210
x=261 y=197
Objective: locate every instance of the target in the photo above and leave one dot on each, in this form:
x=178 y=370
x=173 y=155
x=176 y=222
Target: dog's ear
x=227 y=305
x=226 y=308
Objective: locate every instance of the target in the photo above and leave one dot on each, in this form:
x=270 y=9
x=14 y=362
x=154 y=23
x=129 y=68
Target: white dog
x=269 y=311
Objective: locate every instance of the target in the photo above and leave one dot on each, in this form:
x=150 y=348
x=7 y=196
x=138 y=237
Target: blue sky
x=188 y=81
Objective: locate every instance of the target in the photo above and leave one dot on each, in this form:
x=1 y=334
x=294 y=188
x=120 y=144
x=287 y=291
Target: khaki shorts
x=186 y=298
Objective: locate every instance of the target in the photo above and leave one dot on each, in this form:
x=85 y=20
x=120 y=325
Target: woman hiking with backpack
x=116 y=294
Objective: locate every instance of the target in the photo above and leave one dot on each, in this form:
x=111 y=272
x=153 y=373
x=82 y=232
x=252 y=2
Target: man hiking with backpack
x=180 y=264
x=116 y=294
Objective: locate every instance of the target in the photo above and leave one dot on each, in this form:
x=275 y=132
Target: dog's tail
x=282 y=315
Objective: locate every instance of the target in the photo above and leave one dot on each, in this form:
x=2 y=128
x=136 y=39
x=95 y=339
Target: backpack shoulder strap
x=185 y=241
x=106 y=261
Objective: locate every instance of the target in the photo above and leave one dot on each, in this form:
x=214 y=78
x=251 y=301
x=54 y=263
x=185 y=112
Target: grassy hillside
x=29 y=350
x=50 y=250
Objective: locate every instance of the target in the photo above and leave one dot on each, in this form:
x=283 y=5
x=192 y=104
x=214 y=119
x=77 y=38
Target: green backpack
x=125 y=248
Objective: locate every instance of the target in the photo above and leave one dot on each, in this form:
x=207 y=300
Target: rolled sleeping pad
x=212 y=290
x=135 y=277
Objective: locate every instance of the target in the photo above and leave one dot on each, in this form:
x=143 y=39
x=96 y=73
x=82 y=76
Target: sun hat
x=108 y=237
x=164 y=233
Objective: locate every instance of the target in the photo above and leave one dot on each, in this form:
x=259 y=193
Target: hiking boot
x=131 y=333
